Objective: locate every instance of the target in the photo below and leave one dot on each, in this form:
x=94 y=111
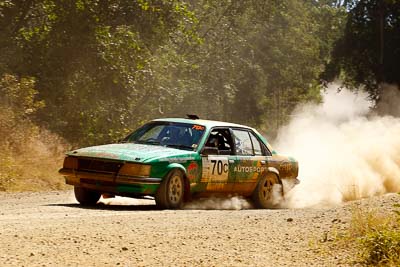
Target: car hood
x=131 y=152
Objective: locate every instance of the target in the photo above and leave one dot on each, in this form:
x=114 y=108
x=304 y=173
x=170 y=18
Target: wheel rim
x=266 y=190
x=175 y=190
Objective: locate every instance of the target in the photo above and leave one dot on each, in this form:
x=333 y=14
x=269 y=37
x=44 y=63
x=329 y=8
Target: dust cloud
x=345 y=151
x=213 y=203
x=124 y=201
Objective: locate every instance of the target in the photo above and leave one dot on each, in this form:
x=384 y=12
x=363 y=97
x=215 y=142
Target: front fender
x=178 y=166
x=172 y=166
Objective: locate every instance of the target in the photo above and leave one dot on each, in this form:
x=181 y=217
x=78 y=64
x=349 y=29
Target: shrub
x=381 y=247
x=30 y=155
x=379 y=236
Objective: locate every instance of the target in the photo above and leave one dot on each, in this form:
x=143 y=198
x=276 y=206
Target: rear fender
x=274 y=171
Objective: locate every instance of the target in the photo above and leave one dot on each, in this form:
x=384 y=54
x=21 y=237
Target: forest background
x=86 y=72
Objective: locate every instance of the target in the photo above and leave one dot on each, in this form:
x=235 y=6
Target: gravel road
x=51 y=229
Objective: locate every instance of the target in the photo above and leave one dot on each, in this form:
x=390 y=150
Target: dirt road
x=51 y=229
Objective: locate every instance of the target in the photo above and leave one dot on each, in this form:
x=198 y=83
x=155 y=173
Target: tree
x=105 y=67
x=368 y=53
x=92 y=59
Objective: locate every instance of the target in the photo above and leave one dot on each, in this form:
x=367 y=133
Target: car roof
x=207 y=123
x=211 y=124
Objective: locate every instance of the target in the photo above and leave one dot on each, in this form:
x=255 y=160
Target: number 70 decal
x=219 y=167
x=215 y=169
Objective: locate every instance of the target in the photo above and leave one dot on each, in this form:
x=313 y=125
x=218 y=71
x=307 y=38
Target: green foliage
x=381 y=248
x=105 y=67
x=256 y=61
x=397 y=211
x=92 y=60
x=368 y=53
x=19 y=95
x=377 y=235
x=18 y=103
x=30 y=156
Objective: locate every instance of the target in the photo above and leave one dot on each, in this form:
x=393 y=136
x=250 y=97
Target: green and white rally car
x=175 y=160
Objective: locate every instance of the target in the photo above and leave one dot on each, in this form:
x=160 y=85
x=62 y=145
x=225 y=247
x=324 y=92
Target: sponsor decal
x=285 y=169
x=192 y=170
x=286 y=166
x=198 y=127
x=257 y=169
x=249 y=170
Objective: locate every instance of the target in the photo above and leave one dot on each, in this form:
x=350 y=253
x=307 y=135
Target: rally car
x=175 y=160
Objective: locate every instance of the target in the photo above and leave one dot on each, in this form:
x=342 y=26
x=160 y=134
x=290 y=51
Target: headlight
x=132 y=169
x=71 y=163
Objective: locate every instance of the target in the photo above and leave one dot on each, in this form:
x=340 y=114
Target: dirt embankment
x=50 y=229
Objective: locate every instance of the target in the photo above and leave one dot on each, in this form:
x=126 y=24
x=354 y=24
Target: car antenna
x=192 y=116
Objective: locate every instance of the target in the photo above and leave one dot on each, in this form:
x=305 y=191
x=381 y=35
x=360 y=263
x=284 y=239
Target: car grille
x=95 y=165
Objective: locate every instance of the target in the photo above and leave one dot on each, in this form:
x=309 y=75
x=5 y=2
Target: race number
x=215 y=169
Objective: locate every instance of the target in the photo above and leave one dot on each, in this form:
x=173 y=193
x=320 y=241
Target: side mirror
x=208 y=150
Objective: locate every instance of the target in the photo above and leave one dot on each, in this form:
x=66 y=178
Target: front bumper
x=109 y=182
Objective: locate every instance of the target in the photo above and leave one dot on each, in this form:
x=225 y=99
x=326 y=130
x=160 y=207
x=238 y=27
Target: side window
x=243 y=143
x=256 y=145
x=220 y=139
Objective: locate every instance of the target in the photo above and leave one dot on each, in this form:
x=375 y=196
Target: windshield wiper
x=179 y=146
x=151 y=142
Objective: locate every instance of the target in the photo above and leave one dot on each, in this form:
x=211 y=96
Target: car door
x=217 y=160
x=249 y=161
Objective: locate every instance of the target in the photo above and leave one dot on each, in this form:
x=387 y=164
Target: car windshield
x=170 y=134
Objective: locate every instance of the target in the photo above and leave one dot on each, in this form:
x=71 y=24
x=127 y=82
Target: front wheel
x=86 y=196
x=170 y=194
x=268 y=192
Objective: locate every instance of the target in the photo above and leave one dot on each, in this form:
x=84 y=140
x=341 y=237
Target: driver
x=173 y=134
x=213 y=141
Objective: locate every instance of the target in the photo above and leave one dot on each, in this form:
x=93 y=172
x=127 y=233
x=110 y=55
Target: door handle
x=231 y=161
x=263 y=162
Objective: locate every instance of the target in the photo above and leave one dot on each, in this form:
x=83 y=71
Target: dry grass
x=30 y=155
x=377 y=237
x=30 y=159
x=367 y=221
x=350 y=192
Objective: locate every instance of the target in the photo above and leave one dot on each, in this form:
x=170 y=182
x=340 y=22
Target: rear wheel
x=170 y=194
x=268 y=192
x=86 y=196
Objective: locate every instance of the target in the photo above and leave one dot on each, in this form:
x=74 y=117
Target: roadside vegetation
x=30 y=154
x=376 y=236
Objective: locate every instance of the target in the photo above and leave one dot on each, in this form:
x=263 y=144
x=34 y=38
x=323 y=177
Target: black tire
x=171 y=192
x=264 y=196
x=86 y=196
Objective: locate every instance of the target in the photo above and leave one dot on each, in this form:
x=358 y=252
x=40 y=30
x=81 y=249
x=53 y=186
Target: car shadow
x=148 y=207
x=111 y=207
